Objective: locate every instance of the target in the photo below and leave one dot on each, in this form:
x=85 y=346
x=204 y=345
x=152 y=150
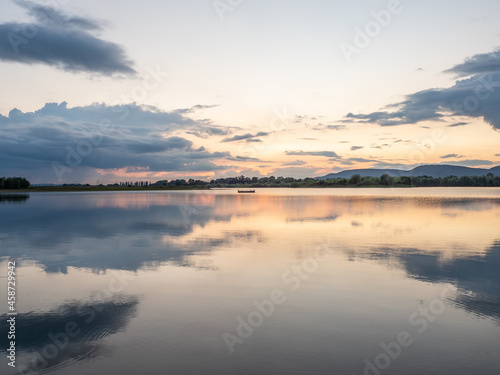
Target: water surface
x=284 y=281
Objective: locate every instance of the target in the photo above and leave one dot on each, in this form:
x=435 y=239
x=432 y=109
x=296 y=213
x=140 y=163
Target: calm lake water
x=298 y=281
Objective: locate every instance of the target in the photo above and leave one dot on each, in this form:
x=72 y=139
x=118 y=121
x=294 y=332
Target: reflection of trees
x=72 y=332
x=15 y=198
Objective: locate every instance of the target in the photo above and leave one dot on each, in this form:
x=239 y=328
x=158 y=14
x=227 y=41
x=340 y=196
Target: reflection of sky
x=128 y=231
x=390 y=255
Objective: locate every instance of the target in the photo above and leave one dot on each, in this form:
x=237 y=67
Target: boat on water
x=246 y=191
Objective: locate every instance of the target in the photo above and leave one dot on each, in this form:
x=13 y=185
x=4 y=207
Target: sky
x=108 y=91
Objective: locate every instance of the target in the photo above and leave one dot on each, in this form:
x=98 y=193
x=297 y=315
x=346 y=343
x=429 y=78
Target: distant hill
x=424 y=170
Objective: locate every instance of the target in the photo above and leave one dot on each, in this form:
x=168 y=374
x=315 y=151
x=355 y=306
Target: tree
x=405 y=180
x=465 y=181
x=14 y=183
x=355 y=179
x=385 y=179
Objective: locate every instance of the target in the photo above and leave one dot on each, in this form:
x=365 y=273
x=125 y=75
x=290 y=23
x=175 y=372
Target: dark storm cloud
x=476 y=96
x=61 y=41
x=100 y=137
x=153 y=145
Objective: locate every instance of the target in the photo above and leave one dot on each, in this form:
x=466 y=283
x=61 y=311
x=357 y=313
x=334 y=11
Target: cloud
x=195 y=108
x=458 y=124
x=294 y=163
x=484 y=63
x=352 y=161
x=451 y=156
x=388 y=165
x=248 y=137
x=61 y=41
x=51 y=16
x=336 y=127
x=100 y=137
x=469 y=163
x=243 y=158
x=476 y=96
x=299 y=119
x=361 y=160
x=249 y=173
x=328 y=154
x=209 y=131
x=296 y=172
x=354 y=148
x=497 y=155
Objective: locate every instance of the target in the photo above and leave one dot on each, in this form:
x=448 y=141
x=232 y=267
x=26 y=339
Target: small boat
x=246 y=191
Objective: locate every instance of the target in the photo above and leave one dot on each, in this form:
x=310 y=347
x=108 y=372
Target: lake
x=283 y=281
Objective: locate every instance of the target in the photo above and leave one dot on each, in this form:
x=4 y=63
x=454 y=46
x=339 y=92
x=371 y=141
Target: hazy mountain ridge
x=423 y=170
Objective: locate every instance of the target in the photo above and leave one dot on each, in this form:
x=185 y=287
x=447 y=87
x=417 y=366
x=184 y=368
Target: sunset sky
x=148 y=90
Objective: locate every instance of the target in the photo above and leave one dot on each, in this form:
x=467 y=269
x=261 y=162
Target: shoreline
x=38 y=189
x=48 y=189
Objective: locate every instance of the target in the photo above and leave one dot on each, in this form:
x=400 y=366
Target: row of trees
x=355 y=180
x=14 y=183
x=418 y=181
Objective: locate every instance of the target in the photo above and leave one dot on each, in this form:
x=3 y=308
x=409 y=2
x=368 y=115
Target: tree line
x=14 y=183
x=354 y=181
x=271 y=181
